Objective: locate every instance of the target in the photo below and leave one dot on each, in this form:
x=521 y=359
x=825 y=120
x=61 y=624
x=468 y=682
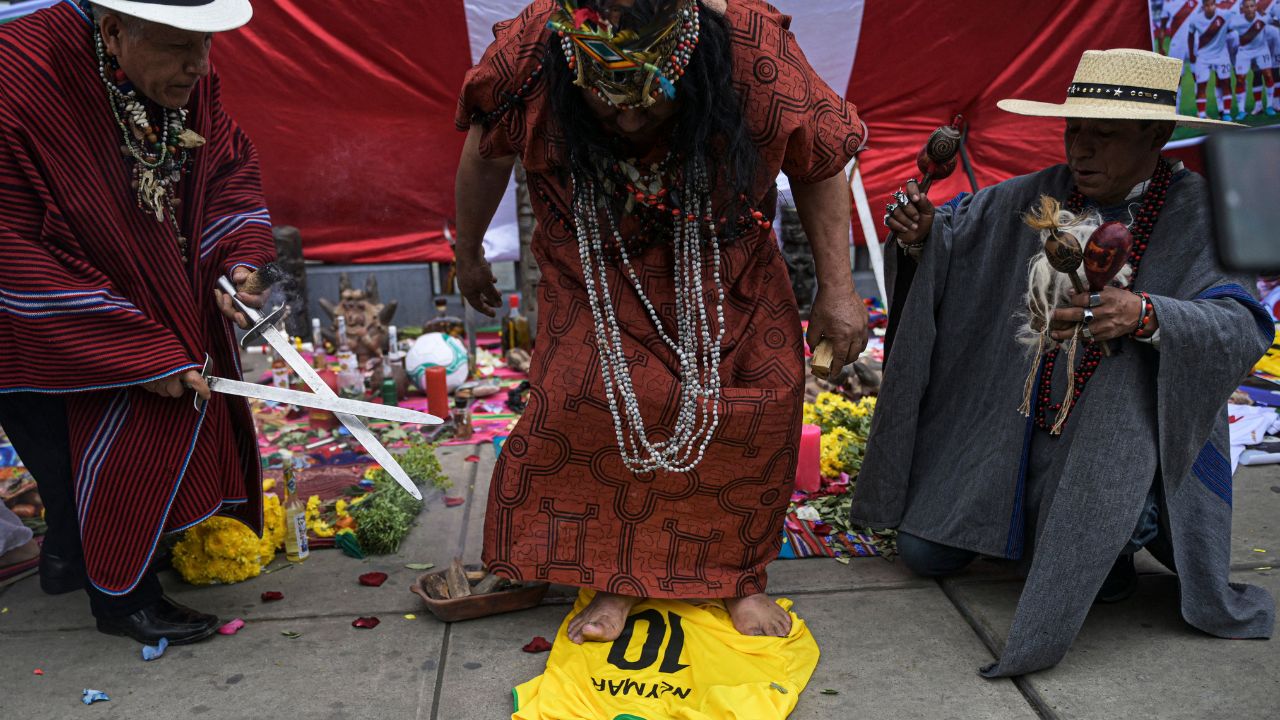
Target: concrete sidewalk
x=894 y=646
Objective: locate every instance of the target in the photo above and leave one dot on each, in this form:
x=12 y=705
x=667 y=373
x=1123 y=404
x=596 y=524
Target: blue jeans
x=931 y=559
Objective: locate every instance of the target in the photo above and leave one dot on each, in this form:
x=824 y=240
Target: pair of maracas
x=1103 y=256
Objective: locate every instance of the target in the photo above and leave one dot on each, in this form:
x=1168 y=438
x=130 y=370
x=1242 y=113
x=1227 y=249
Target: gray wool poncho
x=949 y=454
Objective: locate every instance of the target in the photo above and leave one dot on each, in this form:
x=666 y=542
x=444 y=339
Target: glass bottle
x=279 y=372
x=296 y=547
x=319 y=359
x=515 y=328
x=462 y=429
x=350 y=379
x=445 y=323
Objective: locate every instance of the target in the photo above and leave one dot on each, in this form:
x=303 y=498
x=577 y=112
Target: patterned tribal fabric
x=95 y=299
x=562 y=505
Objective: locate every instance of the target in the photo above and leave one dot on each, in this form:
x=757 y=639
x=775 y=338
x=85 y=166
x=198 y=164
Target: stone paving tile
x=903 y=653
x=477 y=494
x=1256 y=516
x=484 y=661
x=331 y=672
x=1140 y=659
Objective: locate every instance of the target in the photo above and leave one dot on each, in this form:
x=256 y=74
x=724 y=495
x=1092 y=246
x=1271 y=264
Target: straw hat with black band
x=1121 y=84
x=209 y=16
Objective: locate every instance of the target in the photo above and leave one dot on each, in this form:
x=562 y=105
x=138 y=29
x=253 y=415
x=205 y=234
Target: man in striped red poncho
x=125 y=192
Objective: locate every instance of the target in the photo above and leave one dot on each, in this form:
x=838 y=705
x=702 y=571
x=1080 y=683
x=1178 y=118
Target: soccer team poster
x=1231 y=58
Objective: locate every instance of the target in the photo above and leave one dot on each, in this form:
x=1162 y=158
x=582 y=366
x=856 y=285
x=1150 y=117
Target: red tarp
x=918 y=64
x=351 y=107
x=351 y=104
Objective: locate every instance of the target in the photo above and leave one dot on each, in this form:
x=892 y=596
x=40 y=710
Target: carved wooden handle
x=821 y=361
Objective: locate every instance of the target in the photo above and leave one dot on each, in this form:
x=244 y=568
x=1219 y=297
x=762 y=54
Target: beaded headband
x=627 y=68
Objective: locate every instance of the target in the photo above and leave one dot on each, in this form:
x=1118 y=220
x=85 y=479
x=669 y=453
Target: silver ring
x=1095 y=299
x=900 y=197
x=886 y=220
x=1088 y=317
x=1086 y=332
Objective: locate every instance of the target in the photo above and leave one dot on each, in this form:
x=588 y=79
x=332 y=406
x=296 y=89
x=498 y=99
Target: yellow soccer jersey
x=673 y=661
x=1270 y=362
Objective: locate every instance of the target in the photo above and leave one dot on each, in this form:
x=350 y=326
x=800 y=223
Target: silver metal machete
x=280 y=343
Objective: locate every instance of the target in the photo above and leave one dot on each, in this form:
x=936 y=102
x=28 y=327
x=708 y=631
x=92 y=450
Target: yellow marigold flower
x=220 y=550
x=268 y=484
x=832 y=446
x=273 y=525
x=340 y=507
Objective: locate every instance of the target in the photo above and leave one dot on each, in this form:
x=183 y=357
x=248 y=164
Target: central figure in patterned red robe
x=618 y=138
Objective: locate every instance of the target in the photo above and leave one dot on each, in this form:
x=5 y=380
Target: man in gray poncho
x=1141 y=455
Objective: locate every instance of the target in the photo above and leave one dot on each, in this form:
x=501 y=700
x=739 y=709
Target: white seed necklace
x=698 y=352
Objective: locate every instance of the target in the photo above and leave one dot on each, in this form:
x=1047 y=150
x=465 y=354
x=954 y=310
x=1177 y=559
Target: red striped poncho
x=95 y=298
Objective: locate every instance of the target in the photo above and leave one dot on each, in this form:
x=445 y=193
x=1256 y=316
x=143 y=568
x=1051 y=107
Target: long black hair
x=709 y=126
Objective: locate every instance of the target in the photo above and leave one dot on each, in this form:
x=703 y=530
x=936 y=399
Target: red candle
x=808 y=469
x=437 y=381
x=323 y=418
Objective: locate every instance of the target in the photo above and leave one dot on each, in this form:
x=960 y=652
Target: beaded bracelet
x=1142 y=331
x=913 y=250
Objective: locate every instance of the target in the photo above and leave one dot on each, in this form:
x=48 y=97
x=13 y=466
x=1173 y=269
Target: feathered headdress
x=627 y=68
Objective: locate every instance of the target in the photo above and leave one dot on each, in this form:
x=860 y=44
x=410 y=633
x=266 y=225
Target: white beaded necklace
x=699 y=355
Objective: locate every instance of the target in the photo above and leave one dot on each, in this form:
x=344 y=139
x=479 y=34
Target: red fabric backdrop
x=919 y=64
x=351 y=107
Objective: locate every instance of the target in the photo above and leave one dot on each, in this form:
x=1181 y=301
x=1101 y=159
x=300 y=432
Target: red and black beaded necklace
x=1152 y=202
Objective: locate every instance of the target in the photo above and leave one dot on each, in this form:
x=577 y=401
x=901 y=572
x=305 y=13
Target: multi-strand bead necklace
x=158 y=152
x=1152 y=202
x=697 y=342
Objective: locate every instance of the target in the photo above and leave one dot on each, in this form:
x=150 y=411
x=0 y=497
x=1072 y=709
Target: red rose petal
x=537 y=645
x=453 y=501
x=473 y=458
x=368 y=623
x=373 y=579
x=272 y=596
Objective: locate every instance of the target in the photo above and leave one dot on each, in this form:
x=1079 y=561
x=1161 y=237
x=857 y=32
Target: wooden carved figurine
x=366 y=318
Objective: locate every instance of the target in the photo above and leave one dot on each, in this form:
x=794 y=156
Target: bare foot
x=21 y=554
x=602 y=619
x=758 y=615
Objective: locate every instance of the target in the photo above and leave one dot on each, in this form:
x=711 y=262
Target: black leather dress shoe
x=162 y=619
x=61 y=575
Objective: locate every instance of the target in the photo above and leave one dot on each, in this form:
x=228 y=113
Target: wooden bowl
x=517 y=596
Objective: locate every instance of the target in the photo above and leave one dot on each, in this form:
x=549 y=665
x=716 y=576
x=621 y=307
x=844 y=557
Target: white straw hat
x=207 y=16
x=1121 y=84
